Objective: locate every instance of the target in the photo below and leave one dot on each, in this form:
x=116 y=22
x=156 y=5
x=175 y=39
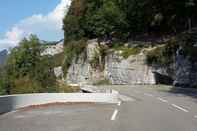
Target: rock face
x=186 y=71
x=117 y=70
x=128 y=71
x=3 y=56
x=58 y=71
x=132 y=70
x=81 y=71
x=54 y=49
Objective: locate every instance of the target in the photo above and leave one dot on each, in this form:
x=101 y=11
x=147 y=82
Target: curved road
x=149 y=110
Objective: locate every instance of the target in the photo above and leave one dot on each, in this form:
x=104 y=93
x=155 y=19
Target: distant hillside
x=3 y=55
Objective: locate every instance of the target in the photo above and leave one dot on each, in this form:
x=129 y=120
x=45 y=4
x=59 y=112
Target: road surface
x=150 y=110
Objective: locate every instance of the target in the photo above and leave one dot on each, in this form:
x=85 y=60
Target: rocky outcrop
x=54 y=49
x=128 y=71
x=117 y=69
x=133 y=70
x=81 y=71
x=186 y=71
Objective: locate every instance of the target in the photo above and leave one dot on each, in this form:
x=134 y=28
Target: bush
x=68 y=89
x=163 y=55
x=98 y=60
x=126 y=52
x=27 y=71
x=103 y=82
x=72 y=50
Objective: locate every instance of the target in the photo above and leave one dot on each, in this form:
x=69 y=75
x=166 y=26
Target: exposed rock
x=81 y=71
x=133 y=70
x=118 y=70
x=54 y=49
x=128 y=71
x=186 y=71
x=58 y=72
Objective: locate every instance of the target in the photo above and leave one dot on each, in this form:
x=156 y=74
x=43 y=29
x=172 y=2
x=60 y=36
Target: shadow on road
x=191 y=92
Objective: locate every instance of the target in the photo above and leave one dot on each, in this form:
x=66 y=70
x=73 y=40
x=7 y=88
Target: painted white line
x=147 y=94
x=113 y=117
x=119 y=103
x=161 y=99
x=180 y=108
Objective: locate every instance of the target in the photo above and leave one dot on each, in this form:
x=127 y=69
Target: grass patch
x=63 y=88
x=103 y=82
x=126 y=51
x=130 y=51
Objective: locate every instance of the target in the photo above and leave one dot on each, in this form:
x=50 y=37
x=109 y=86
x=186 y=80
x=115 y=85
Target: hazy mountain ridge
x=3 y=56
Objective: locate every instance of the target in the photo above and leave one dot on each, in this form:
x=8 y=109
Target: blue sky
x=19 y=18
x=12 y=11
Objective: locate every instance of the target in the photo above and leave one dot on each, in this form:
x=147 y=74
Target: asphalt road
x=150 y=110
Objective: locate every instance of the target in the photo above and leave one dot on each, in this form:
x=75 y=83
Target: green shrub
x=68 y=89
x=57 y=59
x=95 y=62
x=163 y=55
x=126 y=52
x=103 y=82
x=72 y=50
x=98 y=60
x=130 y=51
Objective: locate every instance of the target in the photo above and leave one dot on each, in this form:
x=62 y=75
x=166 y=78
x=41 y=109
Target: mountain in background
x=3 y=56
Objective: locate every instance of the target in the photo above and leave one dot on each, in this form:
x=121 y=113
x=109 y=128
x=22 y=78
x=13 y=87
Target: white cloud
x=47 y=27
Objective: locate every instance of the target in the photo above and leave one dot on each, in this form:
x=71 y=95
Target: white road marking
x=113 y=117
x=180 y=108
x=161 y=99
x=147 y=94
x=119 y=103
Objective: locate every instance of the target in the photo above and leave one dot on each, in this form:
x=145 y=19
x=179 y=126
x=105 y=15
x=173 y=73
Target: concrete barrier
x=13 y=102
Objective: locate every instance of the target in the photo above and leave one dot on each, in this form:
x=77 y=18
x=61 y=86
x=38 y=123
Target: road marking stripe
x=161 y=99
x=119 y=103
x=147 y=94
x=113 y=117
x=180 y=108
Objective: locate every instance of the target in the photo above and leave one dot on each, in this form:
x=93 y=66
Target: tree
x=27 y=70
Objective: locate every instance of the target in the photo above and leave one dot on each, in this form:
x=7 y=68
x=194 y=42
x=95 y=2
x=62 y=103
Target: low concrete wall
x=12 y=102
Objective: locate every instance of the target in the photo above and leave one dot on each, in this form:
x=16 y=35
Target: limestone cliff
x=117 y=70
x=180 y=69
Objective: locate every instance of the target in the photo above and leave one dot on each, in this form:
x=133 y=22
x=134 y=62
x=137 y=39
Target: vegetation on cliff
x=125 y=19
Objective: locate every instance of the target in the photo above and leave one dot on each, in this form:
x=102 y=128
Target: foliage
x=57 y=60
x=126 y=51
x=124 y=18
x=3 y=82
x=103 y=82
x=163 y=55
x=68 y=89
x=72 y=50
x=98 y=18
x=27 y=71
x=130 y=51
x=98 y=60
